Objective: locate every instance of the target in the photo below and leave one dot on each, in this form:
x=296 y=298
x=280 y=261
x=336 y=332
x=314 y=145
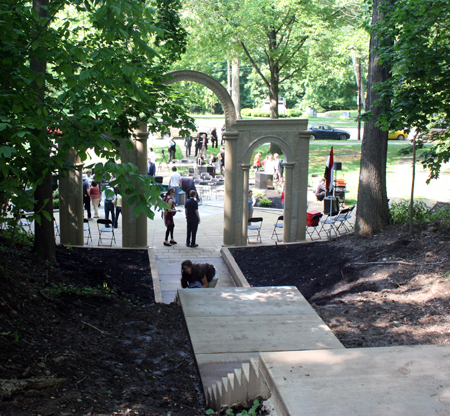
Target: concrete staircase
x=242 y=386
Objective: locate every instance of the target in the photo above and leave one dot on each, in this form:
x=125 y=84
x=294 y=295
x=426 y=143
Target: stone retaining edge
x=155 y=276
x=236 y=274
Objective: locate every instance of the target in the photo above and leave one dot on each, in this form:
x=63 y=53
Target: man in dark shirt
x=188 y=185
x=214 y=138
x=222 y=159
x=192 y=219
x=86 y=196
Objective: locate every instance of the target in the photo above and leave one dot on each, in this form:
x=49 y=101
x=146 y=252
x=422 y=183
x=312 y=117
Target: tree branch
x=252 y=61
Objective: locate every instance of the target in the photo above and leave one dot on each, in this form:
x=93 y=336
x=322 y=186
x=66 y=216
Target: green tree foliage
x=419 y=87
x=103 y=72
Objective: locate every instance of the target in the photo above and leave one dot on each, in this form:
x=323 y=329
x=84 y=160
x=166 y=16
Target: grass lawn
x=398 y=170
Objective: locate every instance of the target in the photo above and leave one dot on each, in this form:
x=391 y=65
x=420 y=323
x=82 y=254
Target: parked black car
x=323 y=131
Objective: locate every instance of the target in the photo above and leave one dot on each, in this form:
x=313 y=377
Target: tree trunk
x=44 y=239
x=236 y=94
x=373 y=208
x=273 y=92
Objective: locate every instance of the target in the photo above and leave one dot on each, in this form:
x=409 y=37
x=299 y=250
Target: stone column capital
x=230 y=135
x=289 y=165
x=246 y=166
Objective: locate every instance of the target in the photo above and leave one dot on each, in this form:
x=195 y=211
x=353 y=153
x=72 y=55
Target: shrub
x=400 y=212
x=247 y=112
x=264 y=202
x=258 y=193
x=56 y=199
x=294 y=112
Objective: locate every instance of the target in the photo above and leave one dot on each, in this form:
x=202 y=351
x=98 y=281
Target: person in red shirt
x=257 y=161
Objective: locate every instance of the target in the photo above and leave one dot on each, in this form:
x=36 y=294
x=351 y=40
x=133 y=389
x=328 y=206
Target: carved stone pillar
x=245 y=170
x=304 y=136
x=134 y=230
x=232 y=219
x=288 y=201
x=71 y=211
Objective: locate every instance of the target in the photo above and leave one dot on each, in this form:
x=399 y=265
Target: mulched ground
x=389 y=289
x=86 y=338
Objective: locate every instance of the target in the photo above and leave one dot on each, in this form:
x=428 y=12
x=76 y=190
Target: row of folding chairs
x=337 y=222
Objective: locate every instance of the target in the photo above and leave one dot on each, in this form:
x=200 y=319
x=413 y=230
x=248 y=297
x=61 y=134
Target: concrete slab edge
x=236 y=274
x=276 y=398
x=155 y=276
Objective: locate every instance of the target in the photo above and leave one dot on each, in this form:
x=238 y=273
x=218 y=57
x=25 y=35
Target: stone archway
x=241 y=138
x=215 y=86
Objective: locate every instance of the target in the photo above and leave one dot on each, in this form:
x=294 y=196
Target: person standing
x=175 y=183
x=214 y=141
x=172 y=149
x=109 y=204
x=251 y=204
x=86 y=196
x=204 y=148
x=222 y=159
x=94 y=193
x=198 y=145
x=192 y=219
x=118 y=209
x=152 y=156
x=168 y=217
x=257 y=161
x=151 y=167
x=187 y=145
x=277 y=169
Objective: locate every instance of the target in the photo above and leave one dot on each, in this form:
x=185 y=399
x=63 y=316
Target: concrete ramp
x=228 y=326
x=397 y=381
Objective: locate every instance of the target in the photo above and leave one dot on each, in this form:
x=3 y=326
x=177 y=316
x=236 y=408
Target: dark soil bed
x=86 y=338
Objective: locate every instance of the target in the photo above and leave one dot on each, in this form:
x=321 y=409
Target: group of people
x=192 y=218
x=93 y=193
x=201 y=143
x=272 y=165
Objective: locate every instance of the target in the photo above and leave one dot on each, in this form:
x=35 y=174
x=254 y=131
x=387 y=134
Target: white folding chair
x=254 y=225
x=88 y=229
x=343 y=219
x=279 y=225
x=108 y=228
x=312 y=224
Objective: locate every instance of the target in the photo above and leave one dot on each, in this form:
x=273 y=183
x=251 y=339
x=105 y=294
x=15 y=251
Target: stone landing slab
x=227 y=326
x=397 y=381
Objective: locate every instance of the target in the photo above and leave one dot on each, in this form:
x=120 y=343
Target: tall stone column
x=245 y=170
x=71 y=212
x=232 y=222
x=134 y=230
x=288 y=201
x=304 y=136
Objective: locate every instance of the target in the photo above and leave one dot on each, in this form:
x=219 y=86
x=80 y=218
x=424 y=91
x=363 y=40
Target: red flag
x=329 y=171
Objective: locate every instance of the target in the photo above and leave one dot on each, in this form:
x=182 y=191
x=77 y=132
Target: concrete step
x=238 y=388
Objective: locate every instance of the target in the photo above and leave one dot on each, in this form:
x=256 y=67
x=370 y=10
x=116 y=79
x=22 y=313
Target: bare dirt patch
x=389 y=289
x=66 y=348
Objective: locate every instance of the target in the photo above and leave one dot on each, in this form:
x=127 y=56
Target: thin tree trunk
x=373 y=208
x=411 y=203
x=236 y=95
x=44 y=239
x=273 y=93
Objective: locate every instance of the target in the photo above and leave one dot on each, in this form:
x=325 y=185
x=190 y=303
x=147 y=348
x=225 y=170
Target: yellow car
x=399 y=135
